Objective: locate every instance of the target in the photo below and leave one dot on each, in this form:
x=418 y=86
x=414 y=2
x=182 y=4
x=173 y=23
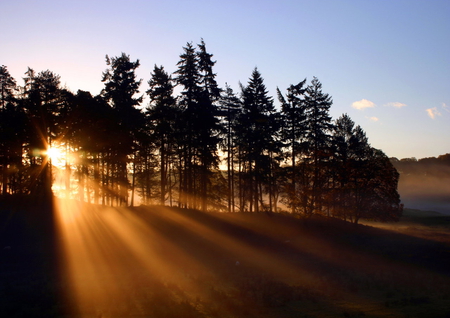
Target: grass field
x=86 y=261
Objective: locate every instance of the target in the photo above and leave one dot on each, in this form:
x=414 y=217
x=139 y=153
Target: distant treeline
x=206 y=148
x=430 y=166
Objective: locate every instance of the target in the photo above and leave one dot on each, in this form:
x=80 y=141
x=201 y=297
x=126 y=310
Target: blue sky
x=385 y=63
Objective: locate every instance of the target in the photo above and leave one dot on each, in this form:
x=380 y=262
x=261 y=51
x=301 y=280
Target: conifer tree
x=293 y=110
x=188 y=77
x=12 y=134
x=201 y=129
x=120 y=89
x=162 y=114
x=230 y=106
x=42 y=101
x=257 y=131
x=317 y=142
x=208 y=125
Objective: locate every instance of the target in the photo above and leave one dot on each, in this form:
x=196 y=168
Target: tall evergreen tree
x=293 y=110
x=12 y=134
x=42 y=101
x=207 y=76
x=163 y=114
x=257 y=130
x=92 y=127
x=8 y=87
x=121 y=86
x=318 y=129
x=201 y=129
x=230 y=108
x=208 y=125
x=188 y=77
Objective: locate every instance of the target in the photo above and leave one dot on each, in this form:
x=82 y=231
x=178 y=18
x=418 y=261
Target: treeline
x=168 y=151
x=431 y=166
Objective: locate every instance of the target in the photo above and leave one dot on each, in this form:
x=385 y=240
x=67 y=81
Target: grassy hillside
x=162 y=262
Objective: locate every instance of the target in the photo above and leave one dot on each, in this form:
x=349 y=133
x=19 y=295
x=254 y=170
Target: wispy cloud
x=374 y=119
x=445 y=107
x=395 y=104
x=362 y=104
x=433 y=112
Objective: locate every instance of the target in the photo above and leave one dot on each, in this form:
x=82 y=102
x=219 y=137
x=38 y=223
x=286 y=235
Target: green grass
x=287 y=268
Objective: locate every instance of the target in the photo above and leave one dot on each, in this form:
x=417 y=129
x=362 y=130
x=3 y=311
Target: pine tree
x=208 y=125
x=318 y=127
x=201 y=129
x=257 y=130
x=294 y=131
x=230 y=106
x=162 y=114
x=12 y=134
x=42 y=101
x=120 y=89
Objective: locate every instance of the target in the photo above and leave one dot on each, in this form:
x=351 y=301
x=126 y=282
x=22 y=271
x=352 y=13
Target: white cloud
x=362 y=104
x=445 y=107
x=374 y=119
x=433 y=112
x=396 y=104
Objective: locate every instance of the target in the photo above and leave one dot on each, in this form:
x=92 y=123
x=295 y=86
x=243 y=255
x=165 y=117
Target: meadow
x=153 y=261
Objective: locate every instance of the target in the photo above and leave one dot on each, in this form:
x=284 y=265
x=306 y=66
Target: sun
x=57 y=156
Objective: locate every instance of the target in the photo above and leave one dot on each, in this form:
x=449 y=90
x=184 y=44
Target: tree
x=188 y=77
x=257 y=129
x=8 y=87
x=317 y=142
x=201 y=129
x=12 y=134
x=230 y=109
x=162 y=114
x=91 y=127
x=364 y=179
x=120 y=89
x=42 y=100
x=350 y=147
x=208 y=124
x=294 y=131
x=378 y=198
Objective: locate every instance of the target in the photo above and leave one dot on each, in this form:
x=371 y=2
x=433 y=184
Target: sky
x=385 y=63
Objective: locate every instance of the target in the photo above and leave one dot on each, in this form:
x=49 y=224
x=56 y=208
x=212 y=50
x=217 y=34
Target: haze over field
x=425 y=183
x=386 y=64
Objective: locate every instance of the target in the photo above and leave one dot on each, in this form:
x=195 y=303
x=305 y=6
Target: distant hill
x=419 y=213
x=424 y=184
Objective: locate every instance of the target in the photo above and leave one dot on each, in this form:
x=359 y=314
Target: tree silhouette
x=12 y=134
x=208 y=124
x=317 y=142
x=257 y=129
x=364 y=181
x=230 y=106
x=293 y=109
x=201 y=126
x=120 y=88
x=42 y=100
x=113 y=149
x=162 y=114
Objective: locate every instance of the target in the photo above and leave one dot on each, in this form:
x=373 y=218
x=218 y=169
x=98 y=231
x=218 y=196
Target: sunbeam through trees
x=112 y=149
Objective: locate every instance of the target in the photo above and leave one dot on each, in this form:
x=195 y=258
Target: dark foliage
x=118 y=152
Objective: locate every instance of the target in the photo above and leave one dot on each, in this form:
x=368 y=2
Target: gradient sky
x=386 y=63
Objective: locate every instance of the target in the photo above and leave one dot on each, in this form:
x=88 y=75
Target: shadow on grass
x=168 y=262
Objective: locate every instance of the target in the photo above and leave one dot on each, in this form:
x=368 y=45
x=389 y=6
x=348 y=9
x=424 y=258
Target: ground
x=167 y=262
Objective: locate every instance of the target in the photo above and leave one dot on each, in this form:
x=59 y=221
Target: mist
x=424 y=184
